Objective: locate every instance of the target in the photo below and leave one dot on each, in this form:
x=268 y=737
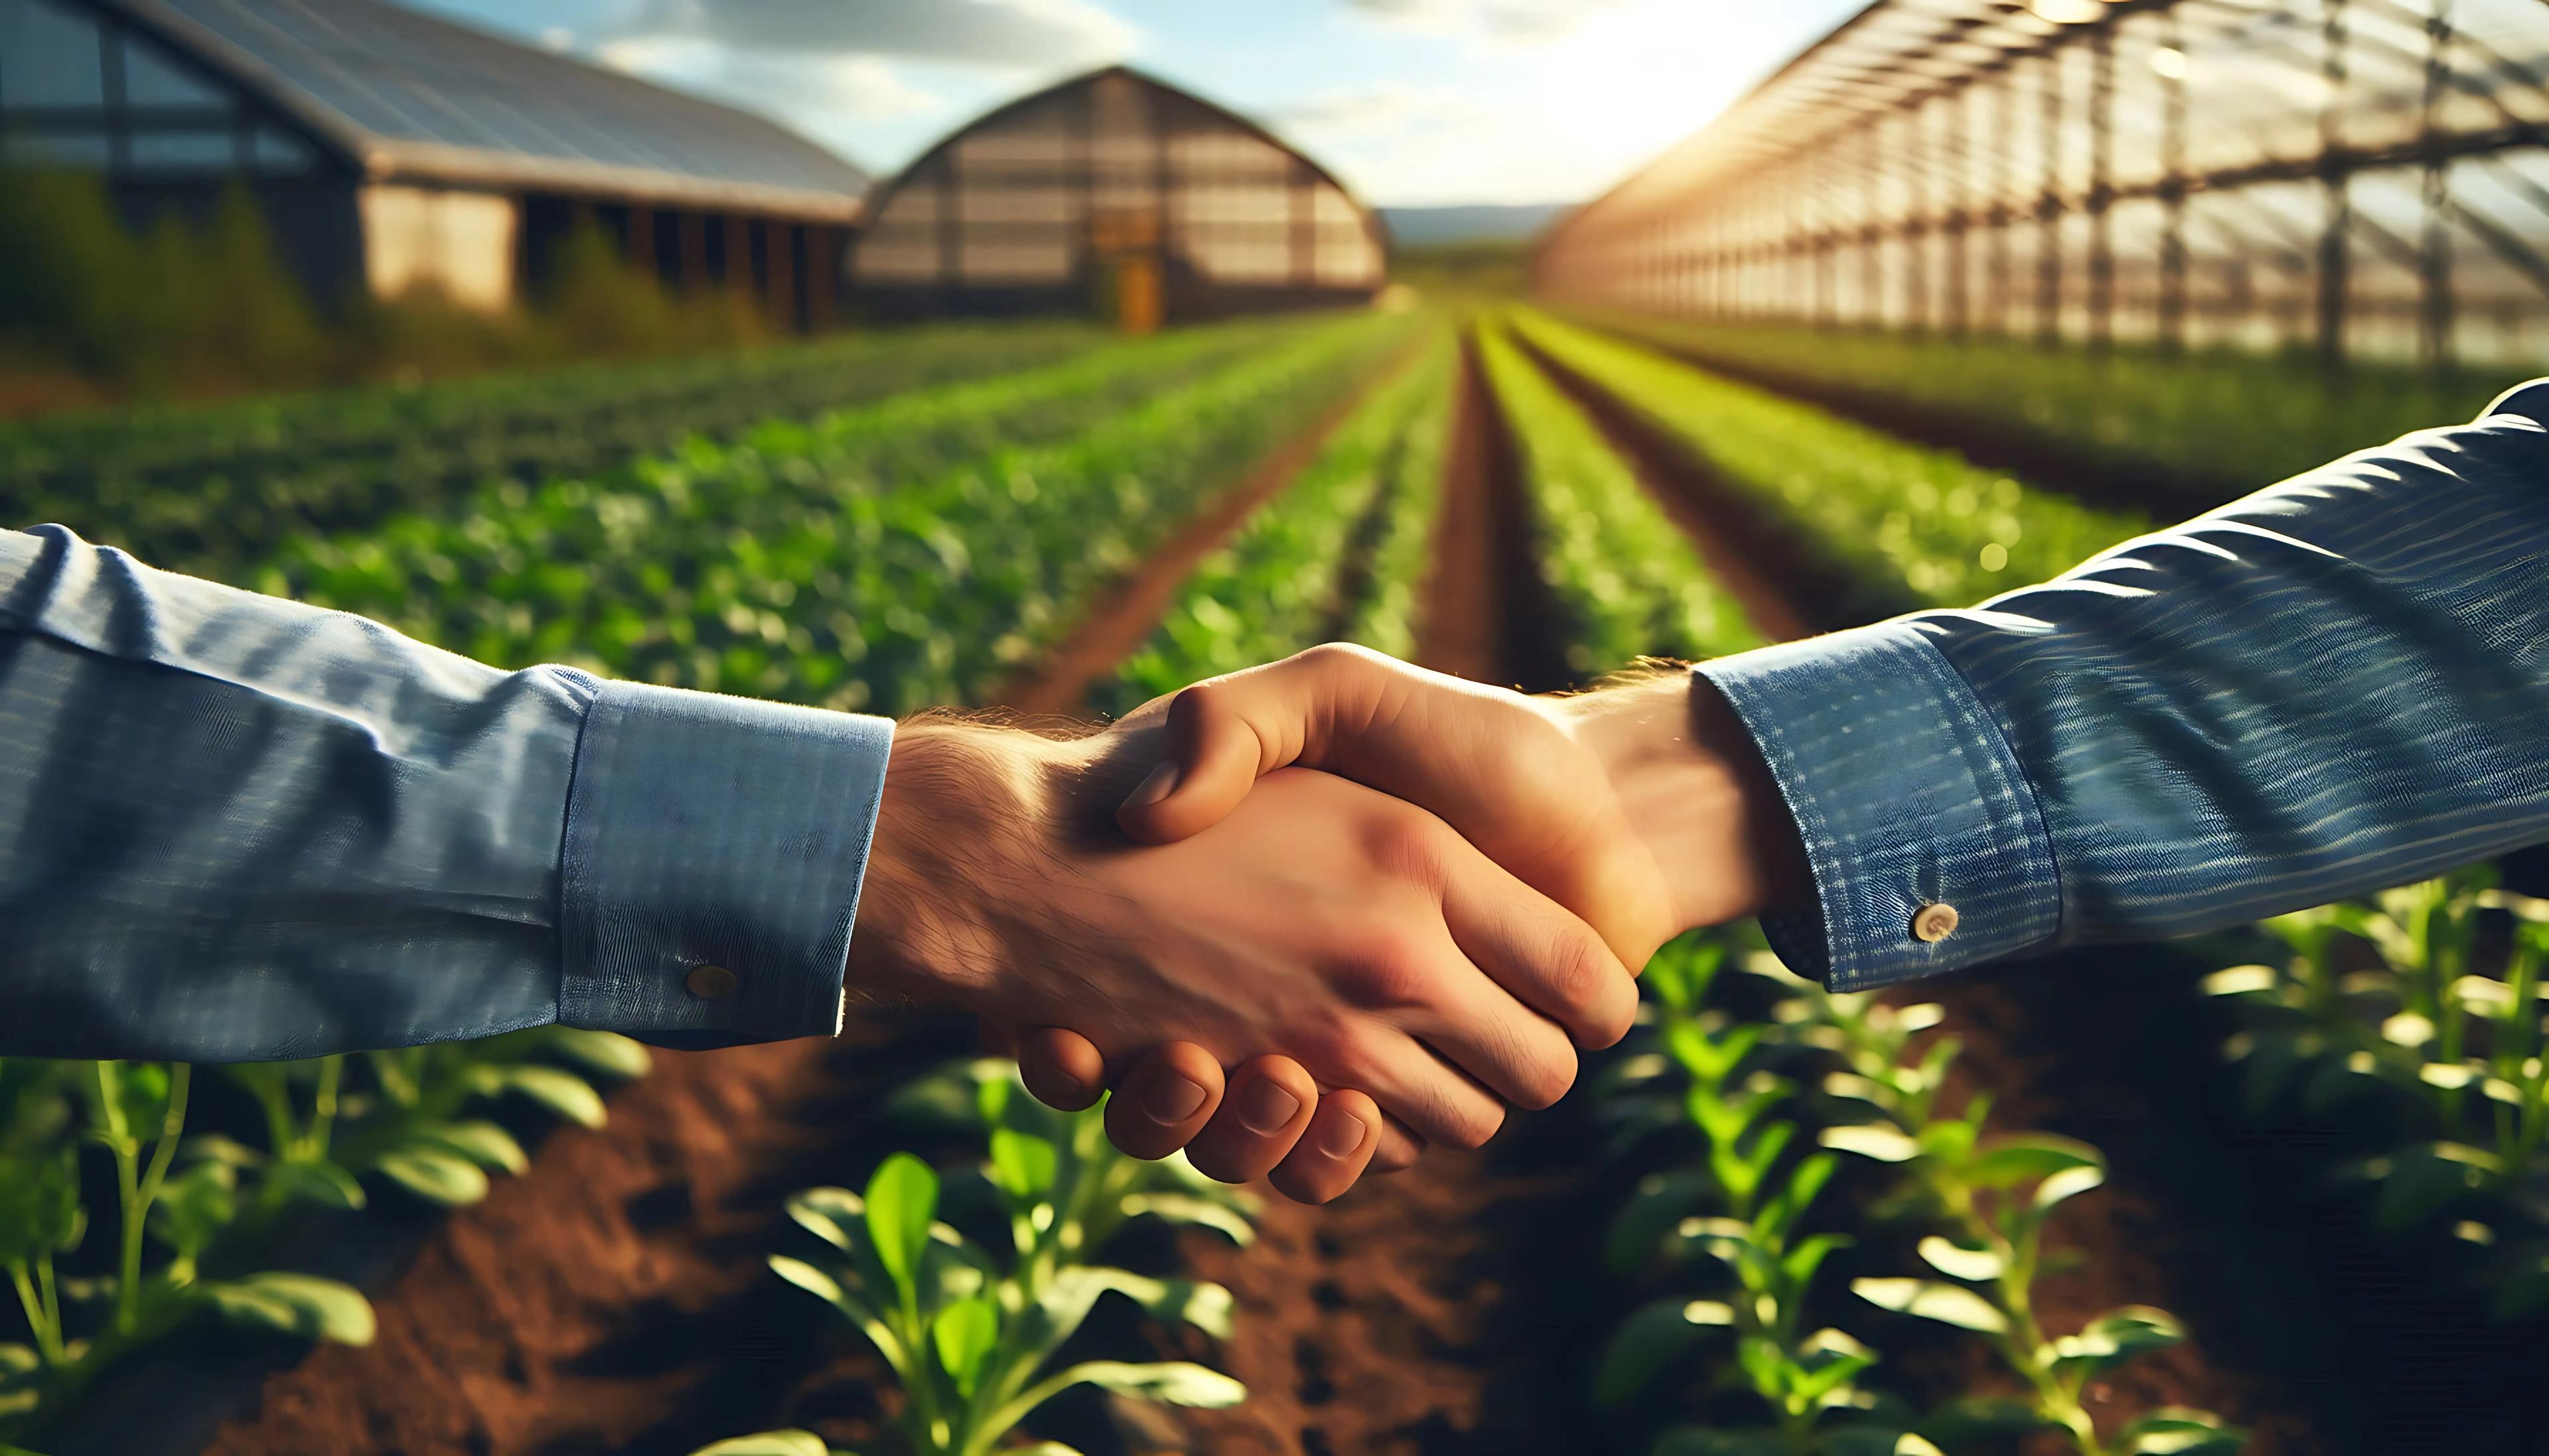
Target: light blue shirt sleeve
x=234 y=828
x=2335 y=685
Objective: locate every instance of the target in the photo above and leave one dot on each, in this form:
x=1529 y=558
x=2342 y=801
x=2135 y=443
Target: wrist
x=966 y=809
x=1698 y=795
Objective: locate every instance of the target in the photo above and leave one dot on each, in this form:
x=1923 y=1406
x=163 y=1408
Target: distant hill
x=1481 y=223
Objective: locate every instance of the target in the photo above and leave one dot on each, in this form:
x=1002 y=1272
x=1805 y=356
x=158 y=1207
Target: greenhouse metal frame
x=2362 y=178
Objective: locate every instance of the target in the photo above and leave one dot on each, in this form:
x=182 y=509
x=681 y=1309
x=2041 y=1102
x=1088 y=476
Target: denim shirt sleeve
x=2329 y=686
x=234 y=827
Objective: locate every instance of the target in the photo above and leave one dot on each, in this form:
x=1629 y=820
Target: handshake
x=1389 y=902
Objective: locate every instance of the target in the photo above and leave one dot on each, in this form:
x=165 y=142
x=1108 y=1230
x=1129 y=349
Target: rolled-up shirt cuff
x=711 y=866
x=1928 y=847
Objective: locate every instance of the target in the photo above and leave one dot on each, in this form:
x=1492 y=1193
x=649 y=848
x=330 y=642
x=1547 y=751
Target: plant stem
x=323 y=1113
x=141 y=1191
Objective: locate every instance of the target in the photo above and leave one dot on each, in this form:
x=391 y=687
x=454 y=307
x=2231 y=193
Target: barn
x=1116 y=193
x=390 y=149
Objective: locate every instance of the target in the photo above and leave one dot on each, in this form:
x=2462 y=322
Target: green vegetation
x=208 y=307
x=208 y=488
x=1630 y=580
x=1743 y=1229
x=972 y=1337
x=2416 y=1037
x=2214 y=419
x=894 y=557
x=214 y=1206
x=1336 y=557
x=1909 y=526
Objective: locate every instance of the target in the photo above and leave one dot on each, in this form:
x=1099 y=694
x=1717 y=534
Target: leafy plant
x=1908 y=527
x=187 y=1199
x=2418 y=1029
x=1990 y=1196
x=2227 y=416
x=974 y=1340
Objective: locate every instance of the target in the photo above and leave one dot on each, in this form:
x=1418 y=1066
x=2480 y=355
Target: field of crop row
x=1833 y=1243
x=2187 y=433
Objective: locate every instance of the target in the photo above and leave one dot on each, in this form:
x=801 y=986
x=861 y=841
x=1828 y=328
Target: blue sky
x=1411 y=101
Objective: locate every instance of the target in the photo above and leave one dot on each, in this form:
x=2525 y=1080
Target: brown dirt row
x=1441 y=1310
x=2317 y=1335
x=613 y=1299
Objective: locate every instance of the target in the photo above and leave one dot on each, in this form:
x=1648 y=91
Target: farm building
x=390 y=149
x=1120 y=193
x=2360 y=178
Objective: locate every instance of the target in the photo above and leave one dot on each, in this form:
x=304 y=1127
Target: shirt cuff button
x=1933 y=922
x=710 y=983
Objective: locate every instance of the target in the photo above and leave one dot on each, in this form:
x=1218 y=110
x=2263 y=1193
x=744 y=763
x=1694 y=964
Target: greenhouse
x=1120 y=192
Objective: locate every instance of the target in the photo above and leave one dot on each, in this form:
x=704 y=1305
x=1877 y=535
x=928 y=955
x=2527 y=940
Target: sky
x=1412 y=102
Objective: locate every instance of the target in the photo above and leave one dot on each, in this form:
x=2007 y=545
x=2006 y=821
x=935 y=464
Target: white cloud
x=991 y=33
x=1512 y=21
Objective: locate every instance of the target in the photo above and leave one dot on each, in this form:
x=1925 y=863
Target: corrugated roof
x=411 y=96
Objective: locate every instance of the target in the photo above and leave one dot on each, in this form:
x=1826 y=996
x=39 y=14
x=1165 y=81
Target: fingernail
x=1172 y=1100
x=1155 y=788
x=1063 y=1084
x=1266 y=1107
x=1344 y=1134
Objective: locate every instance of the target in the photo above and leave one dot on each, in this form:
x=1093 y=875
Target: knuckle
x=1389 y=967
x=1406 y=843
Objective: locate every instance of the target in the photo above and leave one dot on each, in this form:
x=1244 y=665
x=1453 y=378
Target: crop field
x=2278 y=1191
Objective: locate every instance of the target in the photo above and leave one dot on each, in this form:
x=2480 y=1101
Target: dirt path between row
x=1453 y=1308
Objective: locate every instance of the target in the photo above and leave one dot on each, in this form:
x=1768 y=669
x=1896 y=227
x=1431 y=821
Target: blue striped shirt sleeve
x=2333 y=686
x=234 y=827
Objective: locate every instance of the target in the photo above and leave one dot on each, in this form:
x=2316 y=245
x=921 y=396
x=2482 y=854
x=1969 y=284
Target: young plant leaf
x=485 y=1144
x=2005 y=1162
x=1022 y=1165
x=901 y=1199
x=828 y=1214
x=317 y=1181
x=1973 y=1265
x=296 y=1303
x=1951 y=1304
x=2117 y=1337
x=2174 y=1431
x=964 y=1332
x=1882 y=1141
x=607 y=1052
x=562 y=1092
x=1171 y=1382
x=1188 y=1208
x=434 y=1175
x=769 y=1443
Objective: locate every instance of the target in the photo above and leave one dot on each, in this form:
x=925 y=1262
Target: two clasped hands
x=1390 y=903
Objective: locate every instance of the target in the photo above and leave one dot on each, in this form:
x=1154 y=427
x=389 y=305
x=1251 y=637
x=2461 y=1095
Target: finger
x=1166 y=1097
x=1217 y=743
x=1435 y=1102
x=1399 y=1149
x=1341 y=1141
x=1541 y=954
x=1269 y=1105
x=1062 y=1067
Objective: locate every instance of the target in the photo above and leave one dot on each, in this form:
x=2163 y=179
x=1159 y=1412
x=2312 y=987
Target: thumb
x=1214 y=754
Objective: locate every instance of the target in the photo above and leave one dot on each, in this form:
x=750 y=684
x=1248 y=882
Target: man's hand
x=1359 y=935
x=1643 y=807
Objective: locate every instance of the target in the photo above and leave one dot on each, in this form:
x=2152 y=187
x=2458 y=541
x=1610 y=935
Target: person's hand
x=1643 y=807
x=1358 y=935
